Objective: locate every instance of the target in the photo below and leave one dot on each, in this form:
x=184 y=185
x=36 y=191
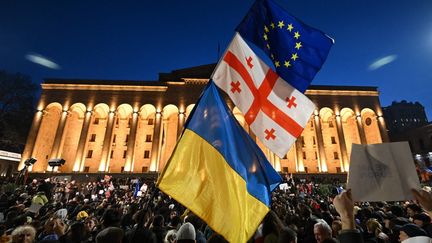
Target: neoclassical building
x=132 y=126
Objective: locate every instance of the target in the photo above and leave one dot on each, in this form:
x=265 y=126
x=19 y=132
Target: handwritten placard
x=382 y=172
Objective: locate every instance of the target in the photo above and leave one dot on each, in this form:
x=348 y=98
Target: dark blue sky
x=135 y=40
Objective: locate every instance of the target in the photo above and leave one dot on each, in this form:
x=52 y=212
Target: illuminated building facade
x=128 y=126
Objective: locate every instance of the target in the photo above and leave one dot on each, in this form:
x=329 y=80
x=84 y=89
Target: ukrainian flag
x=218 y=172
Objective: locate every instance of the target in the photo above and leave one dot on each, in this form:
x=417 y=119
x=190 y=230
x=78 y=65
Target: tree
x=18 y=96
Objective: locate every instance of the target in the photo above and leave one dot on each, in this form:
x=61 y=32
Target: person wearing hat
x=186 y=234
x=413 y=233
x=82 y=215
x=40 y=198
x=424 y=221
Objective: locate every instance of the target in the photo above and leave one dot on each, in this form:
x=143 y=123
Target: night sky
x=377 y=43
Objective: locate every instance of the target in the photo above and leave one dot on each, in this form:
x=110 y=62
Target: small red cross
x=249 y=62
x=235 y=87
x=291 y=101
x=270 y=134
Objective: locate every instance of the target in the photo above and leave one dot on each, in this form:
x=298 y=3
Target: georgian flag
x=275 y=111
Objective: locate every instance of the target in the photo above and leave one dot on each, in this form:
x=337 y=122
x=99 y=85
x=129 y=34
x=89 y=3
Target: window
x=146 y=154
x=306 y=169
x=316 y=155
x=335 y=155
x=124 y=154
x=338 y=170
x=93 y=138
x=86 y=169
x=127 y=138
x=89 y=154
x=333 y=140
x=117 y=122
x=303 y=141
x=314 y=142
x=150 y=122
x=129 y=122
x=285 y=157
x=285 y=169
x=144 y=169
x=112 y=154
x=331 y=124
x=96 y=121
x=304 y=155
x=122 y=169
x=148 y=138
x=368 y=121
x=114 y=138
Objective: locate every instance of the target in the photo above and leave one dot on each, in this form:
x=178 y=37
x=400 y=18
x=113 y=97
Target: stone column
x=322 y=165
x=342 y=144
x=361 y=131
x=131 y=143
x=155 y=142
x=383 y=129
x=181 y=122
x=106 y=149
x=55 y=152
x=299 y=156
x=31 y=138
x=80 y=156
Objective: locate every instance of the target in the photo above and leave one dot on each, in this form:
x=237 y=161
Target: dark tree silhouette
x=18 y=96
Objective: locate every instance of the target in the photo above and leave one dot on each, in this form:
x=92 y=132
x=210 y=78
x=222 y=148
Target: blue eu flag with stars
x=297 y=51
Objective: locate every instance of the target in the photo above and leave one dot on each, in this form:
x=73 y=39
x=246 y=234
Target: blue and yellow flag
x=218 y=172
x=297 y=51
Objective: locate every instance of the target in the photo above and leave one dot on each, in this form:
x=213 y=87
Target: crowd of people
x=117 y=210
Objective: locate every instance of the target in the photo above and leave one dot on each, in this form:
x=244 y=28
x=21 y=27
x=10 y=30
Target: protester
x=110 y=210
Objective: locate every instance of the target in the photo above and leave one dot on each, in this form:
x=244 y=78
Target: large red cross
x=260 y=101
x=270 y=134
x=291 y=101
x=235 y=87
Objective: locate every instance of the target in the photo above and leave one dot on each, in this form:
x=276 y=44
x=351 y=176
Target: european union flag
x=298 y=51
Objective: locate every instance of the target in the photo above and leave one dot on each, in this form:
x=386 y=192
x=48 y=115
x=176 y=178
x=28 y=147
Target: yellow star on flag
x=265 y=37
x=287 y=64
x=266 y=29
x=272 y=25
x=272 y=56
x=294 y=56
x=277 y=64
x=296 y=35
x=281 y=24
x=268 y=46
x=298 y=45
x=290 y=27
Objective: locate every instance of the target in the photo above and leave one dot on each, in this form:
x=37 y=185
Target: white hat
x=186 y=232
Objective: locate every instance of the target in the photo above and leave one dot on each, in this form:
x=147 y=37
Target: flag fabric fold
x=275 y=111
x=218 y=172
x=297 y=50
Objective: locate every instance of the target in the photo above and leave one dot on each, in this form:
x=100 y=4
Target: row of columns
x=79 y=161
x=321 y=160
x=156 y=148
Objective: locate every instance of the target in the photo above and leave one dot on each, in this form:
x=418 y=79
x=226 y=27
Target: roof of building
x=198 y=72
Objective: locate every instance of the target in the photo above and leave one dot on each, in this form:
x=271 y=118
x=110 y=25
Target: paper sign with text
x=382 y=172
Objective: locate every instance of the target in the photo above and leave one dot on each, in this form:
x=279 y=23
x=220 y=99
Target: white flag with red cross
x=275 y=111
